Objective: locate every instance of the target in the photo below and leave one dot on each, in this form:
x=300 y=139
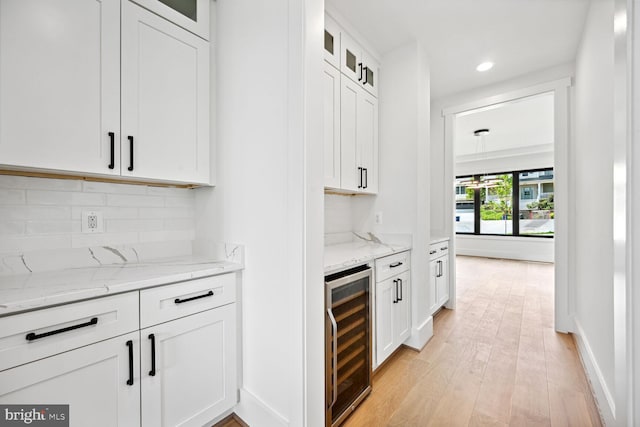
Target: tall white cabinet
x=439 y=290
x=350 y=117
x=103 y=88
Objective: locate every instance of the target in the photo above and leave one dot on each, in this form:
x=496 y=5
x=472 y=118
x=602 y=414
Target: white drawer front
x=436 y=250
x=170 y=302
x=391 y=265
x=37 y=334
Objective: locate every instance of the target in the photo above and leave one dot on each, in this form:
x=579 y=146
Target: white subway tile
x=33 y=183
x=187 y=212
x=167 y=235
x=21 y=244
x=134 y=200
x=63 y=198
x=113 y=188
x=34 y=212
x=108 y=212
x=179 y=224
x=170 y=191
x=53 y=227
x=119 y=225
x=179 y=202
x=11 y=197
x=103 y=239
x=8 y=228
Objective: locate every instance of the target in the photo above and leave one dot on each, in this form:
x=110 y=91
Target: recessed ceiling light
x=485 y=66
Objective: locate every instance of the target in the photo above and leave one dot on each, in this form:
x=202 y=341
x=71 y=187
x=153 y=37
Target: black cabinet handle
x=366 y=177
x=439 y=268
x=130 y=345
x=395 y=264
x=395 y=295
x=360 y=172
x=400 y=286
x=432 y=252
x=360 y=65
x=180 y=301
x=112 y=141
x=130 y=138
x=444 y=248
x=152 y=372
x=33 y=336
x=364 y=72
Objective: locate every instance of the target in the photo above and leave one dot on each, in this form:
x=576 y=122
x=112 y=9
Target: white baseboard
x=256 y=412
x=421 y=335
x=604 y=398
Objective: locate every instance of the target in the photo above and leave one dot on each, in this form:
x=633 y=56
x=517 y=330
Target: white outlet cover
x=378 y=218
x=92 y=222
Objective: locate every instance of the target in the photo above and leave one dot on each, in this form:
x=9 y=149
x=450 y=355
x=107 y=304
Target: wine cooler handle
x=334 y=344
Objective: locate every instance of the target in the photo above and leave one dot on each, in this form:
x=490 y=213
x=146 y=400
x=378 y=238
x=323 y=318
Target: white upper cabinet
x=165 y=99
x=192 y=15
x=367 y=145
x=331 y=41
x=331 y=88
x=60 y=85
x=358 y=65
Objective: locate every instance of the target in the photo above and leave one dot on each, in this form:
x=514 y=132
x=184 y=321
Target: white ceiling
x=527 y=122
x=519 y=36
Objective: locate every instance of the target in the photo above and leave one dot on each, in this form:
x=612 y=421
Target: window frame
x=515 y=197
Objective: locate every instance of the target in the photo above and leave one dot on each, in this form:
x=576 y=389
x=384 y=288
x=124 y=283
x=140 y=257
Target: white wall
x=269 y=197
x=522 y=248
x=593 y=156
x=403 y=195
x=40 y=214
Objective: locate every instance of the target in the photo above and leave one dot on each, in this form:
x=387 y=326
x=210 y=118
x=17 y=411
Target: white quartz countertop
x=38 y=290
x=341 y=256
x=438 y=239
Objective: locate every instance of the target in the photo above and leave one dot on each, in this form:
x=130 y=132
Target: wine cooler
x=347 y=342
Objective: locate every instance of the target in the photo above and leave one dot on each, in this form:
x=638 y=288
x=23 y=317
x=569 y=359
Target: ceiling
x=519 y=36
x=513 y=125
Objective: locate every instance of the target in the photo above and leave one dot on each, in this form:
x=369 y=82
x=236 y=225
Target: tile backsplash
x=39 y=214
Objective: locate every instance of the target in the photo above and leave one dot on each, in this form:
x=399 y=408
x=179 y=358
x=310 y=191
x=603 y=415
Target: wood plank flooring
x=494 y=361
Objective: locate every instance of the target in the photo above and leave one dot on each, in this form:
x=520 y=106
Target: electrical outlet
x=378 y=218
x=92 y=222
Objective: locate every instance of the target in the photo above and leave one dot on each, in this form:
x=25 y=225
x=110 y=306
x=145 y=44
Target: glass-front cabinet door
x=192 y=15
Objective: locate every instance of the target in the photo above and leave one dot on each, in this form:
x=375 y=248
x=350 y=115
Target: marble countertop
x=340 y=256
x=438 y=239
x=39 y=289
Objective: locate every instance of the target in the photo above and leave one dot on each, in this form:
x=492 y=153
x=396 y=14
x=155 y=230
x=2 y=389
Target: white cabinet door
x=370 y=76
x=434 y=268
x=194 y=378
x=351 y=58
x=402 y=311
x=192 y=15
x=350 y=170
x=331 y=127
x=443 y=281
x=367 y=145
x=165 y=99
x=331 y=42
x=59 y=85
x=385 y=296
x=92 y=380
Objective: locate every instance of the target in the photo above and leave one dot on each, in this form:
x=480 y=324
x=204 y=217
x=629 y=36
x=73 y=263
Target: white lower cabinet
x=99 y=382
x=188 y=369
x=179 y=370
x=438 y=275
x=393 y=296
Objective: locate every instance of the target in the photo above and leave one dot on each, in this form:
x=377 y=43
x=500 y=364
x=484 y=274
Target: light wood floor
x=494 y=361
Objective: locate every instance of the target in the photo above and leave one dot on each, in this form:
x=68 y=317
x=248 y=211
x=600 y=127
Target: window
x=518 y=203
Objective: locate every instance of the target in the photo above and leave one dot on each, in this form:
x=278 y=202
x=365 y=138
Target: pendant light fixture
x=480 y=181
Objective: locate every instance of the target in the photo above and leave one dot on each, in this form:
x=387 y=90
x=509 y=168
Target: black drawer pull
x=400 y=286
x=130 y=345
x=395 y=294
x=395 y=264
x=130 y=168
x=33 y=336
x=152 y=372
x=444 y=248
x=112 y=137
x=432 y=252
x=180 y=301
